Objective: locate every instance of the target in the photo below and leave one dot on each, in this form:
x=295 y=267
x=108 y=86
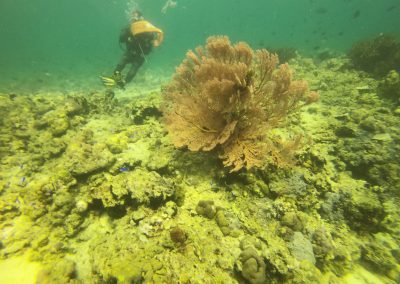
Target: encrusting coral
x=229 y=98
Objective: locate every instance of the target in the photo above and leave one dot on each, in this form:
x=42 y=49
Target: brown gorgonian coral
x=228 y=98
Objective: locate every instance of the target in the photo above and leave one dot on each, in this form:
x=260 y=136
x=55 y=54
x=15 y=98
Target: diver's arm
x=124 y=35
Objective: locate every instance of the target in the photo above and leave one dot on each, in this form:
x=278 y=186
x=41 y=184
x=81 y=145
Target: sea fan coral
x=228 y=98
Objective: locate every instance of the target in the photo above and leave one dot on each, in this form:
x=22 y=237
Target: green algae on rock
x=99 y=201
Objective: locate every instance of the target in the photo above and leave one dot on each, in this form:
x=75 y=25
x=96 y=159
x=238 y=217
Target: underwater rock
x=99 y=102
x=227 y=222
x=43 y=104
x=161 y=157
x=62 y=271
x=364 y=89
x=306 y=272
x=59 y=126
x=250 y=241
x=206 y=208
x=389 y=87
x=138 y=215
x=301 y=248
x=139 y=185
x=76 y=104
x=150 y=188
x=370 y=124
x=9 y=205
x=178 y=236
x=327 y=55
x=45 y=147
x=121 y=257
x=292 y=220
x=383 y=137
x=285 y=54
x=383 y=252
x=57 y=122
x=41 y=240
x=255 y=184
x=252 y=266
x=369 y=159
x=14 y=247
x=293 y=186
x=348 y=130
x=364 y=210
x=116 y=143
x=72 y=223
x=81 y=206
x=376 y=56
x=86 y=159
x=323 y=86
x=322 y=243
x=83 y=168
x=144 y=108
x=169 y=210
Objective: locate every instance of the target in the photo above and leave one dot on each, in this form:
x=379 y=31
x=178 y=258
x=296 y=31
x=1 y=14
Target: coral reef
x=389 y=87
x=285 y=54
x=178 y=235
x=252 y=266
x=108 y=199
x=229 y=98
x=206 y=208
x=376 y=56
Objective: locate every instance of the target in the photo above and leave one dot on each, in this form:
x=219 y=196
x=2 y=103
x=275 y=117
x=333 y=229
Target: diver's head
x=136 y=15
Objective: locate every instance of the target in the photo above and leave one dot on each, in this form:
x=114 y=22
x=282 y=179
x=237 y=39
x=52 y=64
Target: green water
x=80 y=38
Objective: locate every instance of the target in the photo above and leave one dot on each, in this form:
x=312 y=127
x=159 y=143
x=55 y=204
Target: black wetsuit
x=137 y=47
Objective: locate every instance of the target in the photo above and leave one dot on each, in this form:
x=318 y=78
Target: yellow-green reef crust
x=92 y=191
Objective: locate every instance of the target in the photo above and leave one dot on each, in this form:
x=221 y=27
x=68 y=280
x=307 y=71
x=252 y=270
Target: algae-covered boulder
x=206 y=208
x=356 y=204
x=122 y=258
x=100 y=102
x=376 y=56
x=306 y=272
x=144 y=108
x=63 y=271
x=45 y=146
x=364 y=211
x=228 y=223
x=85 y=159
x=150 y=188
x=372 y=157
x=116 y=143
x=59 y=125
x=139 y=185
x=76 y=104
x=301 y=248
x=57 y=121
x=383 y=251
x=390 y=86
x=252 y=266
x=323 y=245
x=293 y=221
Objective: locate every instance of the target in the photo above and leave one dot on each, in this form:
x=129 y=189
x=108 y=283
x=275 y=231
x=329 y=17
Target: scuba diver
x=139 y=38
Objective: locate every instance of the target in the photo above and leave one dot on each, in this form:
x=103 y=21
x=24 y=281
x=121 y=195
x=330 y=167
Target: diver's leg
x=136 y=63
